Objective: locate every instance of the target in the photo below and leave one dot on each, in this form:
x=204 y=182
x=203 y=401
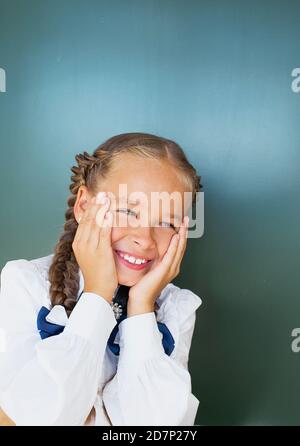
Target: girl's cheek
x=117 y=234
x=162 y=246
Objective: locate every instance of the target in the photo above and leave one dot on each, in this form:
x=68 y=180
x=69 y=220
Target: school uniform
x=56 y=370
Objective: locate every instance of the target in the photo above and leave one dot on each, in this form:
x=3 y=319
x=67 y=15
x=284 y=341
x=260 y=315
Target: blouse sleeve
x=51 y=381
x=151 y=388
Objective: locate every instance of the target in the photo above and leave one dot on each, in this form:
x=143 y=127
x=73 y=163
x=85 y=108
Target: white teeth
x=132 y=259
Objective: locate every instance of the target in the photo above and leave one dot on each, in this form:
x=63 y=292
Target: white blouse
x=73 y=378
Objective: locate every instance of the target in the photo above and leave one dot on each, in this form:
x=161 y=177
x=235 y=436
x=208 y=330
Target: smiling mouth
x=130 y=261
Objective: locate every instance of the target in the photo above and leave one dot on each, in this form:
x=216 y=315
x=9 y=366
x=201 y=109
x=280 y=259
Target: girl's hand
x=93 y=251
x=143 y=294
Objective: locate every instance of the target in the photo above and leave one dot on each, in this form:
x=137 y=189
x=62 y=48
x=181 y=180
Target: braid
x=64 y=270
x=197 y=186
x=86 y=164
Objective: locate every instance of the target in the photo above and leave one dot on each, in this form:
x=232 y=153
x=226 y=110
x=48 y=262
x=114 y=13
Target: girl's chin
x=129 y=277
x=126 y=281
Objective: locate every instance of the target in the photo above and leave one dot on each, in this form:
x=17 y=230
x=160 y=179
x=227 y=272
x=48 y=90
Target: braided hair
x=63 y=273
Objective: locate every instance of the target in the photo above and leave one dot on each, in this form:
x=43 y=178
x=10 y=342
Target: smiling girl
x=96 y=333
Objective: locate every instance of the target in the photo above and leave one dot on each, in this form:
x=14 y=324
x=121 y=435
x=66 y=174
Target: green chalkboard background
x=215 y=76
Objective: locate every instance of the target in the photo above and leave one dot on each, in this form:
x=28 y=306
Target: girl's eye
x=129 y=211
x=169 y=225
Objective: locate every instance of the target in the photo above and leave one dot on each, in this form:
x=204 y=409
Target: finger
x=171 y=251
x=99 y=218
x=88 y=220
x=183 y=232
x=96 y=227
x=105 y=235
x=181 y=244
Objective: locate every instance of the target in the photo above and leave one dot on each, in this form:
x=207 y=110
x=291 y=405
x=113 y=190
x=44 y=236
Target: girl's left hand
x=143 y=294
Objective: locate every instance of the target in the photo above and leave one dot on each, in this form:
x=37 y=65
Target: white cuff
x=92 y=318
x=140 y=338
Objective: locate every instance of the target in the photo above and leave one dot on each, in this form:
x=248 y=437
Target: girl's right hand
x=93 y=251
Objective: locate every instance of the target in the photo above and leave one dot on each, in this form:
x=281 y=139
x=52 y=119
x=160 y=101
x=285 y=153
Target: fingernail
x=100 y=197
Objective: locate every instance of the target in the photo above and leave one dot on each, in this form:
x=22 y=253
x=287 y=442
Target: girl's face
x=148 y=241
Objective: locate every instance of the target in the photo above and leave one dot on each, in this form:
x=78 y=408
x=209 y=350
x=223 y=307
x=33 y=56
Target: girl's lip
x=132 y=265
x=129 y=254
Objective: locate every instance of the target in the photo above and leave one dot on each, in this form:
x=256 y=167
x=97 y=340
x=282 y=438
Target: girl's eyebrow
x=126 y=200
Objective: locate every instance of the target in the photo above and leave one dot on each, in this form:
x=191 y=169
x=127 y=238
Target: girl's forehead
x=136 y=191
x=141 y=197
x=144 y=180
x=133 y=185
x=136 y=169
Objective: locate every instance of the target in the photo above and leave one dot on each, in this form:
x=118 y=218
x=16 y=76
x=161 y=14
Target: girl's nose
x=143 y=236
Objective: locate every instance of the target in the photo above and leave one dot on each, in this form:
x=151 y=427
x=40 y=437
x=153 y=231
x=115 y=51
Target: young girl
x=96 y=333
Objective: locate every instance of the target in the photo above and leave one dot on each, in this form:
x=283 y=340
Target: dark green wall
x=215 y=76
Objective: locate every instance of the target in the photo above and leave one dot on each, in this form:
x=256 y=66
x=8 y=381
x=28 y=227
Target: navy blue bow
x=47 y=329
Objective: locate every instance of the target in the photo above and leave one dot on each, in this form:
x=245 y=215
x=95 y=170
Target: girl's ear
x=83 y=197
